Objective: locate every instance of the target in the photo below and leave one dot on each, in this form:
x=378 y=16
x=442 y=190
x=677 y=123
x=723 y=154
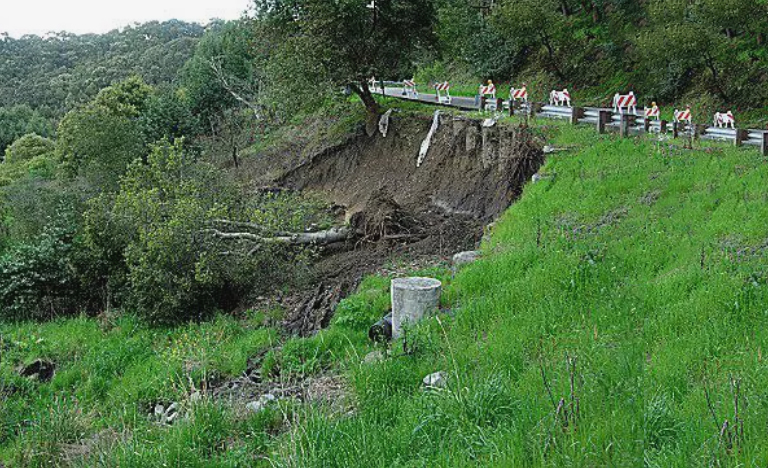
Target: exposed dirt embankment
x=398 y=211
x=469 y=169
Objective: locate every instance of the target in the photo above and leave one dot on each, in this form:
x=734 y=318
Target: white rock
x=463 y=258
x=549 y=149
x=373 y=357
x=436 y=380
x=261 y=404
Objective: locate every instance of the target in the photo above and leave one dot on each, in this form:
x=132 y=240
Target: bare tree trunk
x=330 y=236
x=364 y=92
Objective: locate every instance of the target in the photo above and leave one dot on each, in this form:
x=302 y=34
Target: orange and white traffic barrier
x=684 y=116
x=488 y=90
x=519 y=93
x=560 y=98
x=443 y=87
x=653 y=112
x=410 y=87
x=622 y=101
x=725 y=120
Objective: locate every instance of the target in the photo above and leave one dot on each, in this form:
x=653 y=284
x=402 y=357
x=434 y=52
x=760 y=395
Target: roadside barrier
x=623 y=117
x=620 y=101
x=444 y=87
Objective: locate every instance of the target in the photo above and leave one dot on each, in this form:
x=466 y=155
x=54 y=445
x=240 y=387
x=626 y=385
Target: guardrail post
x=499 y=105
x=535 y=108
x=577 y=113
x=741 y=135
x=764 y=144
x=647 y=125
x=663 y=126
x=626 y=121
x=511 y=107
x=603 y=116
x=675 y=129
x=482 y=103
x=699 y=130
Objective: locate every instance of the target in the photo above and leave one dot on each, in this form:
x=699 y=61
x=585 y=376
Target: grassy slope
x=645 y=263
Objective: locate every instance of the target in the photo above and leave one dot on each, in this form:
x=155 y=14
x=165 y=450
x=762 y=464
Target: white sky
x=19 y=17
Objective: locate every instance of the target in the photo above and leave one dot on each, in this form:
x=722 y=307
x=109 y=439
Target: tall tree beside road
x=353 y=40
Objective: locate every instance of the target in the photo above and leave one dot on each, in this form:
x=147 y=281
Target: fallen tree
x=329 y=236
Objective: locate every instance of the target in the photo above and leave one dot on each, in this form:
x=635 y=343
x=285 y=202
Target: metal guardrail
x=605 y=118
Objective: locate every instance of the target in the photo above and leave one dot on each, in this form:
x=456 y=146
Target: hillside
x=199 y=226
x=630 y=282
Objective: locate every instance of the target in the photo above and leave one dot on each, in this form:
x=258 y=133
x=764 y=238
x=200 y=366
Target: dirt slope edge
x=417 y=216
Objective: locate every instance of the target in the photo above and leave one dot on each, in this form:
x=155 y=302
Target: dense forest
x=95 y=128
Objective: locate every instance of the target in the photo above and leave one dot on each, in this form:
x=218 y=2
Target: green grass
x=643 y=262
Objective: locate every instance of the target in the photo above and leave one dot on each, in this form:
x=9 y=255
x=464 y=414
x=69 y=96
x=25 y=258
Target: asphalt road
x=459 y=102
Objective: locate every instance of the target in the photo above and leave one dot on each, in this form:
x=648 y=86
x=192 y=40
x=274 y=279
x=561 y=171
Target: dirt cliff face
x=470 y=169
x=419 y=216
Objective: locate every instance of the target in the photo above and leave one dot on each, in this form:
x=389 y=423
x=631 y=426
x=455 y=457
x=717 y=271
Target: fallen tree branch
x=336 y=234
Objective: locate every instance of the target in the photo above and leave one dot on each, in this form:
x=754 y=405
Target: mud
x=414 y=217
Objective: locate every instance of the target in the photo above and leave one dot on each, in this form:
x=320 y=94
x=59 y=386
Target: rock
x=40 y=370
x=261 y=404
x=536 y=177
x=464 y=258
x=165 y=415
x=195 y=397
x=549 y=149
x=436 y=380
x=373 y=357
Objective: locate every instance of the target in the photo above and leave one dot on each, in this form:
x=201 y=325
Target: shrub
x=155 y=239
x=38 y=280
x=28 y=147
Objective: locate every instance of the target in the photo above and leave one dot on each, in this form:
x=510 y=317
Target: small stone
x=261 y=404
x=536 y=177
x=464 y=258
x=436 y=380
x=173 y=408
x=549 y=149
x=373 y=357
x=195 y=396
x=159 y=410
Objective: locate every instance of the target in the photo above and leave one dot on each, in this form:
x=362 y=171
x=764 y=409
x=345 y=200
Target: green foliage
x=29 y=147
x=227 y=52
x=159 y=217
x=21 y=120
x=62 y=71
x=349 y=41
x=155 y=238
x=99 y=144
x=38 y=279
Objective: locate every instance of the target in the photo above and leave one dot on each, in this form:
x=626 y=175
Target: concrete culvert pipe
x=412 y=298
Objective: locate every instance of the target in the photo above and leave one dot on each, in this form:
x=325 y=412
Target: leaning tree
x=352 y=40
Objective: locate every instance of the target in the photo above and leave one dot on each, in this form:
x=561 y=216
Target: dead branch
x=225 y=83
x=330 y=236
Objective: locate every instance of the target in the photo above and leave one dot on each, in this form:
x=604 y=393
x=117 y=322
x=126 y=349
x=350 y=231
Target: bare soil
x=419 y=216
